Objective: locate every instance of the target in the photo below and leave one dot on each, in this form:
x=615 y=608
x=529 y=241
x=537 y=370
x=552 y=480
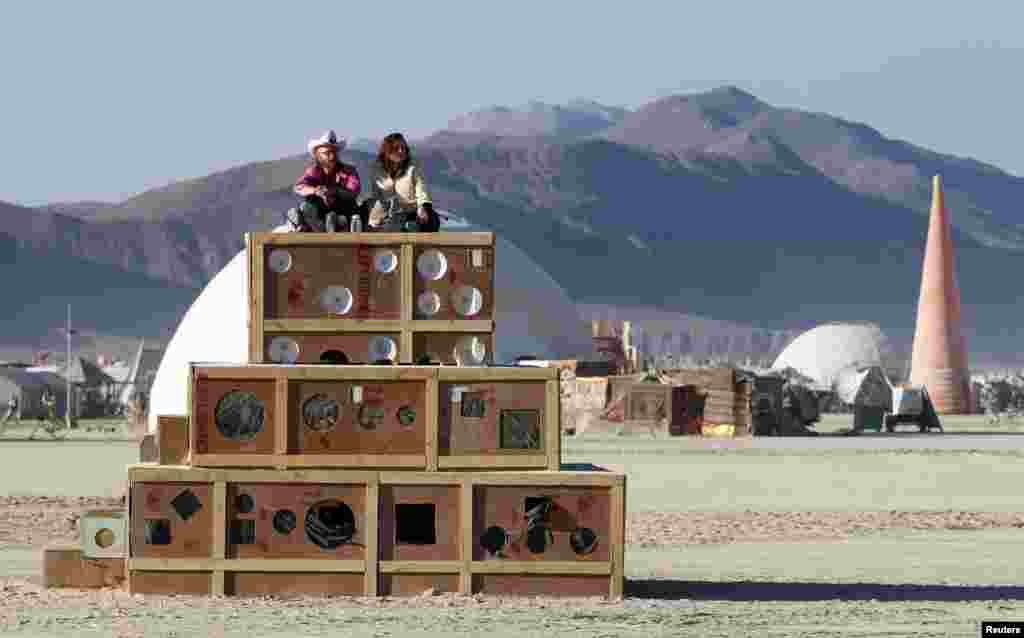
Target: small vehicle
x=912 y=405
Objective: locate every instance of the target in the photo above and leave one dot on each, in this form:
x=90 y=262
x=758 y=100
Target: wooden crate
x=499 y=418
x=419 y=530
x=237 y=537
x=308 y=290
x=65 y=566
x=352 y=417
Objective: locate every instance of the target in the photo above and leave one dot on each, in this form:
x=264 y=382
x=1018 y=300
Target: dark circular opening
x=493 y=539
x=423 y=360
x=537 y=539
x=406 y=415
x=334 y=357
x=330 y=524
x=384 y=362
x=371 y=416
x=244 y=503
x=583 y=540
x=284 y=521
x=320 y=413
x=239 y=415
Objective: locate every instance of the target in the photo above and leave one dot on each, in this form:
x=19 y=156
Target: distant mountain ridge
x=714 y=204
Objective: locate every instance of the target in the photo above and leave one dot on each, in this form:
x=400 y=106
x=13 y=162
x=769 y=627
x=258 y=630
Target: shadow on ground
x=804 y=592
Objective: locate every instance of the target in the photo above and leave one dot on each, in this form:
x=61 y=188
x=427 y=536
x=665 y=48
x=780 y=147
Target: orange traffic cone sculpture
x=939 y=360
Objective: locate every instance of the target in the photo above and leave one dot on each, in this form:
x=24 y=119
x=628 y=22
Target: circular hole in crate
x=428 y=303
x=330 y=524
x=470 y=351
x=279 y=261
x=239 y=415
x=283 y=350
x=432 y=264
x=385 y=261
x=244 y=503
x=583 y=540
x=284 y=522
x=371 y=417
x=538 y=538
x=467 y=300
x=406 y=415
x=336 y=300
x=320 y=413
x=104 y=538
x=334 y=357
x=382 y=348
x=494 y=539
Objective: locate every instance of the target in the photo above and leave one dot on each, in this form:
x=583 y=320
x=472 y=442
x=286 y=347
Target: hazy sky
x=102 y=100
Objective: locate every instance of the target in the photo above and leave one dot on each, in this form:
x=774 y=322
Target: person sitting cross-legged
x=329 y=188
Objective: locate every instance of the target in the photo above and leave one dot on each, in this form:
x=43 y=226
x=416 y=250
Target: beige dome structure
x=824 y=352
x=533 y=315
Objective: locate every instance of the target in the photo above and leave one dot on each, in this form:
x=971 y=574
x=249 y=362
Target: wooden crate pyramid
x=339 y=461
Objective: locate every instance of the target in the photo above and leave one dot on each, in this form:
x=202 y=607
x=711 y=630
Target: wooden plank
x=372 y=537
x=550 y=567
x=405 y=347
x=281 y=412
x=220 y=530
x=432 y=415
x=552 y=479
x=452 y=374
x=246 y=565
x=483 y=239
x=172 y=439
x=292 y=326
x=466 y=544
x=159 y=473
x=316 y=372
x=553 y=418
x=453 y=325
x=617 y=540
x=500 y=459
x=412 y=461
x=407 y=271
x=420 y=567
x=256 y=298
x=420 y=478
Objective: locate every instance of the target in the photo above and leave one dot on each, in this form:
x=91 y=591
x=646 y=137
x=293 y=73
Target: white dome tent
x=825 y=352
x=533 y=315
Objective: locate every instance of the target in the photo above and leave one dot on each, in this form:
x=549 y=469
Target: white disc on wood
x=385 y=261
x=283 y=350
x=279 y=261
x=467 y=300
x=470 y=351
x=432 y=265
x=382 y=348
x=336 y=299
x=428 y=303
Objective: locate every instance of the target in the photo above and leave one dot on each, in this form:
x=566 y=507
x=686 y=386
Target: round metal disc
x=336 y=299
x=467 y=300
x=470 y=351
x=382 y=348
x=428 y=303
x=432 y=265
x=385 y=261
x=283 y=350
x=279 y=261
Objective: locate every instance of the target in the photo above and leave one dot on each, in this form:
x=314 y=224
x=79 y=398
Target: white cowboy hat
x=327 y=139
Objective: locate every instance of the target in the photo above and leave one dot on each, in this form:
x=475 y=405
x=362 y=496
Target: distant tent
x=867 y=387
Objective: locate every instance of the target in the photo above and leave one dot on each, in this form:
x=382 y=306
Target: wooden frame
x=550 y=577
x=284 y=443
x=401 y=322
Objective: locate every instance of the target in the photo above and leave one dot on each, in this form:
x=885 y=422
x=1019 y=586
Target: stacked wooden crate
x=298 y=474
x=727 y=396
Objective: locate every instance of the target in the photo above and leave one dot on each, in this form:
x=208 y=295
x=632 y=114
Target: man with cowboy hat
x=329 y=188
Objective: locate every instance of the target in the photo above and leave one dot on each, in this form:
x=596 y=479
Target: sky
x=103 y=100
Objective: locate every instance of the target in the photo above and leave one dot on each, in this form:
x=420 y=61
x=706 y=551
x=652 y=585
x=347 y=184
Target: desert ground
x=876 y=535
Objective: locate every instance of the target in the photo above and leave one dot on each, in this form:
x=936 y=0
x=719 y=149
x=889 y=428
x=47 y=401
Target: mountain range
x=714 y=204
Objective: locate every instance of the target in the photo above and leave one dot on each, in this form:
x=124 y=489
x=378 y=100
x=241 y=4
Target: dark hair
x=392 y=142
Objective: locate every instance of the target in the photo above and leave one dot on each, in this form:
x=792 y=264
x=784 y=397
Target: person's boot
x=331 y=222
x=294 y=219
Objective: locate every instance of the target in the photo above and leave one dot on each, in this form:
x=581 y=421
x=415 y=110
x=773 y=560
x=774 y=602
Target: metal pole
x=67 y=376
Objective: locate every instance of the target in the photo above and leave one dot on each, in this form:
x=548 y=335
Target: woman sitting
x=399 y=198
